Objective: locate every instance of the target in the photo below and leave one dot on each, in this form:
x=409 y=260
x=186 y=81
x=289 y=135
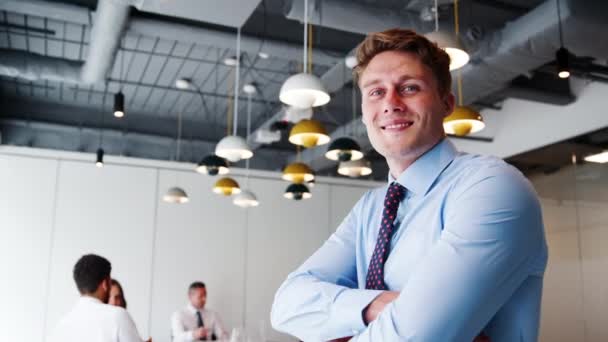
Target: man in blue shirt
x=451 y=249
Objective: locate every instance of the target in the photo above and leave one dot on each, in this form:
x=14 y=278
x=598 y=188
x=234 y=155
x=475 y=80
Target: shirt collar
x=419 y=176
x=192 y=309
x=90 y=299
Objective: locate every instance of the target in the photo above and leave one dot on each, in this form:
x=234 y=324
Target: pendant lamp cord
x=179 y=134
x=305 y=36
x=236 y=82
x=247 y=137
x=559 y=21
x=436 y=16
x=457 y=33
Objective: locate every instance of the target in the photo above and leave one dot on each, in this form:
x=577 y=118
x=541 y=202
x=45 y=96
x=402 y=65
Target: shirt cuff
x=350 y=304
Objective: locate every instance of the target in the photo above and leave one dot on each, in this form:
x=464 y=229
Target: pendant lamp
x=297 y=192
x=176 y=194
x=233 y=147
x=308 y=133
x=298 y=173
x=450 y=43
x=213 y=165
x=355 y=168
x=304 y=90
x=226 y=186
x=247 y=198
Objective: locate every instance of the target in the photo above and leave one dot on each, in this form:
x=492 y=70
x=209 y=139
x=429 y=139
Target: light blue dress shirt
x=468 y=255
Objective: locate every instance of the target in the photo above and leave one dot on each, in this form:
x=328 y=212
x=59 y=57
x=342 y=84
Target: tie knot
x=396 y=190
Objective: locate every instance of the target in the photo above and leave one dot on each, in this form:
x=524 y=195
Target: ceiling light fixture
x=119 y=98
x=297 y=192
x=176 y=194
x=598 y=158
x=344 y=149
x=304 y=90
x=119 y=105
x=247 y=198
x=451 y=44
x=308 y=133
x=99 y=162
x=213 y=165
x=233 y=147
x=355 y=168
x=226 y=186
x=463 y=120
x=298 y=173
x=562 y=55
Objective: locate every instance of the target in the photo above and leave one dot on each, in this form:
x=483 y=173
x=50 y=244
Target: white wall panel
x=562 y=304
x=26 y=221
x=282 y=233
x=200 y=240
x=342 y=200
x=107 y=211
x=595 y=268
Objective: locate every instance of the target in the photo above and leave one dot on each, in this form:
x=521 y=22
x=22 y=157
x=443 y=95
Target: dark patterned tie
x=375 y=271
x=199 y=323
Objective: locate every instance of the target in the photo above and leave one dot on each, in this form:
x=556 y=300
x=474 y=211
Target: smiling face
x=402 y=108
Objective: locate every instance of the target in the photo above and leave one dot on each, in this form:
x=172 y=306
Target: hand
x=149 y=340
x=374 y=308
x=200 y=333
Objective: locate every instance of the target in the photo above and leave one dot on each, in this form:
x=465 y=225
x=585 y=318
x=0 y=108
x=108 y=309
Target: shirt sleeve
x=178 y=332
x=319 y=301
x=218 y=327
x=492 y=232
x=127 y=332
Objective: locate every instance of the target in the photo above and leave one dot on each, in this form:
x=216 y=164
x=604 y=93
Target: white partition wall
x=202 y=240
x=26 y=223
x=341 y=200
x=107 y=211
x=58 y=206
x=282 y=233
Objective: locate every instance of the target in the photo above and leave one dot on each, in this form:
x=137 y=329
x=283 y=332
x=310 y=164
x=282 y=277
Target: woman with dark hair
x=117 y=296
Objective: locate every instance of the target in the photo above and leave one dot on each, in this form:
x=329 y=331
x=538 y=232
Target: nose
x=393 y=103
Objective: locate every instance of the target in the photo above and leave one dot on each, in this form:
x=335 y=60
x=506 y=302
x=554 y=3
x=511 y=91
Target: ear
x=106 y=285
x=449 y=102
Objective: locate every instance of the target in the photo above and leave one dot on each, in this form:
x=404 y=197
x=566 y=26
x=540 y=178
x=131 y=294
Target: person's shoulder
x=476 y=167
x=181 y=312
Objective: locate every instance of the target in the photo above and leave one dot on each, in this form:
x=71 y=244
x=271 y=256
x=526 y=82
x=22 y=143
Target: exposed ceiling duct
x=109 y=22
x=110 y=19
x=524 y=44
x=353 y=17
x=32 y=67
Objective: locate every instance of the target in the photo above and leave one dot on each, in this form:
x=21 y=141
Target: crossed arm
x=482 y=257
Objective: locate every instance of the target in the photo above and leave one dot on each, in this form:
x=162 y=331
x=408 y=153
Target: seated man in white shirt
x=92 y=319
x=194 y=322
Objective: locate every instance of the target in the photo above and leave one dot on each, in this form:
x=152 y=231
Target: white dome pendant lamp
x=450 y=43
x=176 y=194
x=247 y=198
x=304 y=90
x=233 y=147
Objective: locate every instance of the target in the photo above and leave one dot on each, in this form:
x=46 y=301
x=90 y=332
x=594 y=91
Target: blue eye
x=410 y=88
x=375 y=92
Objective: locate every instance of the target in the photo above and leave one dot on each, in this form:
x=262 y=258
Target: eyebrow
x=378 y=80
